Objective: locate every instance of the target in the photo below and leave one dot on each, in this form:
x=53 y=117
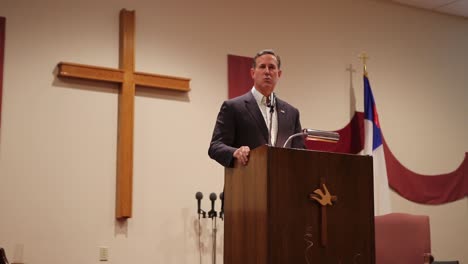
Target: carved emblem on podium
x=324 y=198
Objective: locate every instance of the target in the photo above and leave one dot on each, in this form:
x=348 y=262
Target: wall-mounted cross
x=351 y=70
x=126 y=76
x=324 y=198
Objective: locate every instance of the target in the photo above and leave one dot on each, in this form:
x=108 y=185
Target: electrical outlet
x=103 y=254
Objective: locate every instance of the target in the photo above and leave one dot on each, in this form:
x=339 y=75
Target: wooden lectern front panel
x=245 y=198
x=272 y=219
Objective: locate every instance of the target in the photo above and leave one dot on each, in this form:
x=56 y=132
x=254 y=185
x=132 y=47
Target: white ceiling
x=452 y=7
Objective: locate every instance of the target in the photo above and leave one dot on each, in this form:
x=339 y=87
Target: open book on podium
x=299 y=206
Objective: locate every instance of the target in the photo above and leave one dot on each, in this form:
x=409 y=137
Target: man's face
x=266 y=74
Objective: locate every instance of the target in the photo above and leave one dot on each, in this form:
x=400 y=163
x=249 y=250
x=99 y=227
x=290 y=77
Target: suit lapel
x=254 y=111
x=283 y=117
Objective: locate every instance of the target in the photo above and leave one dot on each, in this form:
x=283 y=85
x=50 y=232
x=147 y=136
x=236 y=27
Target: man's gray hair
x=263 y=52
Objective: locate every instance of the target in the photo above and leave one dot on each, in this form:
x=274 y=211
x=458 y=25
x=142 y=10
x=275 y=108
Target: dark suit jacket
x=240 y=123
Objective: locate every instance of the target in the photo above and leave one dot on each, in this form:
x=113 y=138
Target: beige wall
x=58 y=140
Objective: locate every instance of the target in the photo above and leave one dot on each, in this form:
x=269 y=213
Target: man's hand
x=242 y=154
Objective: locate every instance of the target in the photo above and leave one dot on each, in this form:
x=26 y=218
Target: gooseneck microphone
x=271 y=104
x=314 y=134
x=212 y=213
x=199 y=197
x=221 y=213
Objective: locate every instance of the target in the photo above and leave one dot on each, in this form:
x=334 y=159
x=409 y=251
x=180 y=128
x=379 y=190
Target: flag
x=373 y=146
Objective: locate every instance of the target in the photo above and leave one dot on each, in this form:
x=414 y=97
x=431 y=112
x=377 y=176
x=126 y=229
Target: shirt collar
x=260 y=98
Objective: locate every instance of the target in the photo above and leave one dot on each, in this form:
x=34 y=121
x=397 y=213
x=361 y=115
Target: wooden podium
x=271 y=216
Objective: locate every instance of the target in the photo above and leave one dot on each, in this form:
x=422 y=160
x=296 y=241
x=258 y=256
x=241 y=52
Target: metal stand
x=214 y=239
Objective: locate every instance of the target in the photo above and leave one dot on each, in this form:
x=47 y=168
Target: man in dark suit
x=255 y=118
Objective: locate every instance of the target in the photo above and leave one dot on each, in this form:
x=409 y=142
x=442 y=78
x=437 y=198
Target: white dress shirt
x=267 y=116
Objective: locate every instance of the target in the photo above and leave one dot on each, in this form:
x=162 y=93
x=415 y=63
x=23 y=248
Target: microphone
x=221 y=197
x=212 y=213
x=199 y=196
x=272 y=102
x=314 y=134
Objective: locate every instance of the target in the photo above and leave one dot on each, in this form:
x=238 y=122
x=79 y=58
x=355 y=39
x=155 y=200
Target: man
x=255 y=118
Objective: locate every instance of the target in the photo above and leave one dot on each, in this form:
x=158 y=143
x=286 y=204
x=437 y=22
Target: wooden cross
x=126 y=76
x=351 y=70
x=324 y=198
x=352 y=100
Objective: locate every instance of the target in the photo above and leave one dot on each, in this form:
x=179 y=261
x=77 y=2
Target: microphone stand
x=214 y=239
x=201 y=213
x=213 y=214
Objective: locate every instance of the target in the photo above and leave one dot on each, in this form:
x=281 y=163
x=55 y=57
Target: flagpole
x=373 y=145
x=364 y=59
